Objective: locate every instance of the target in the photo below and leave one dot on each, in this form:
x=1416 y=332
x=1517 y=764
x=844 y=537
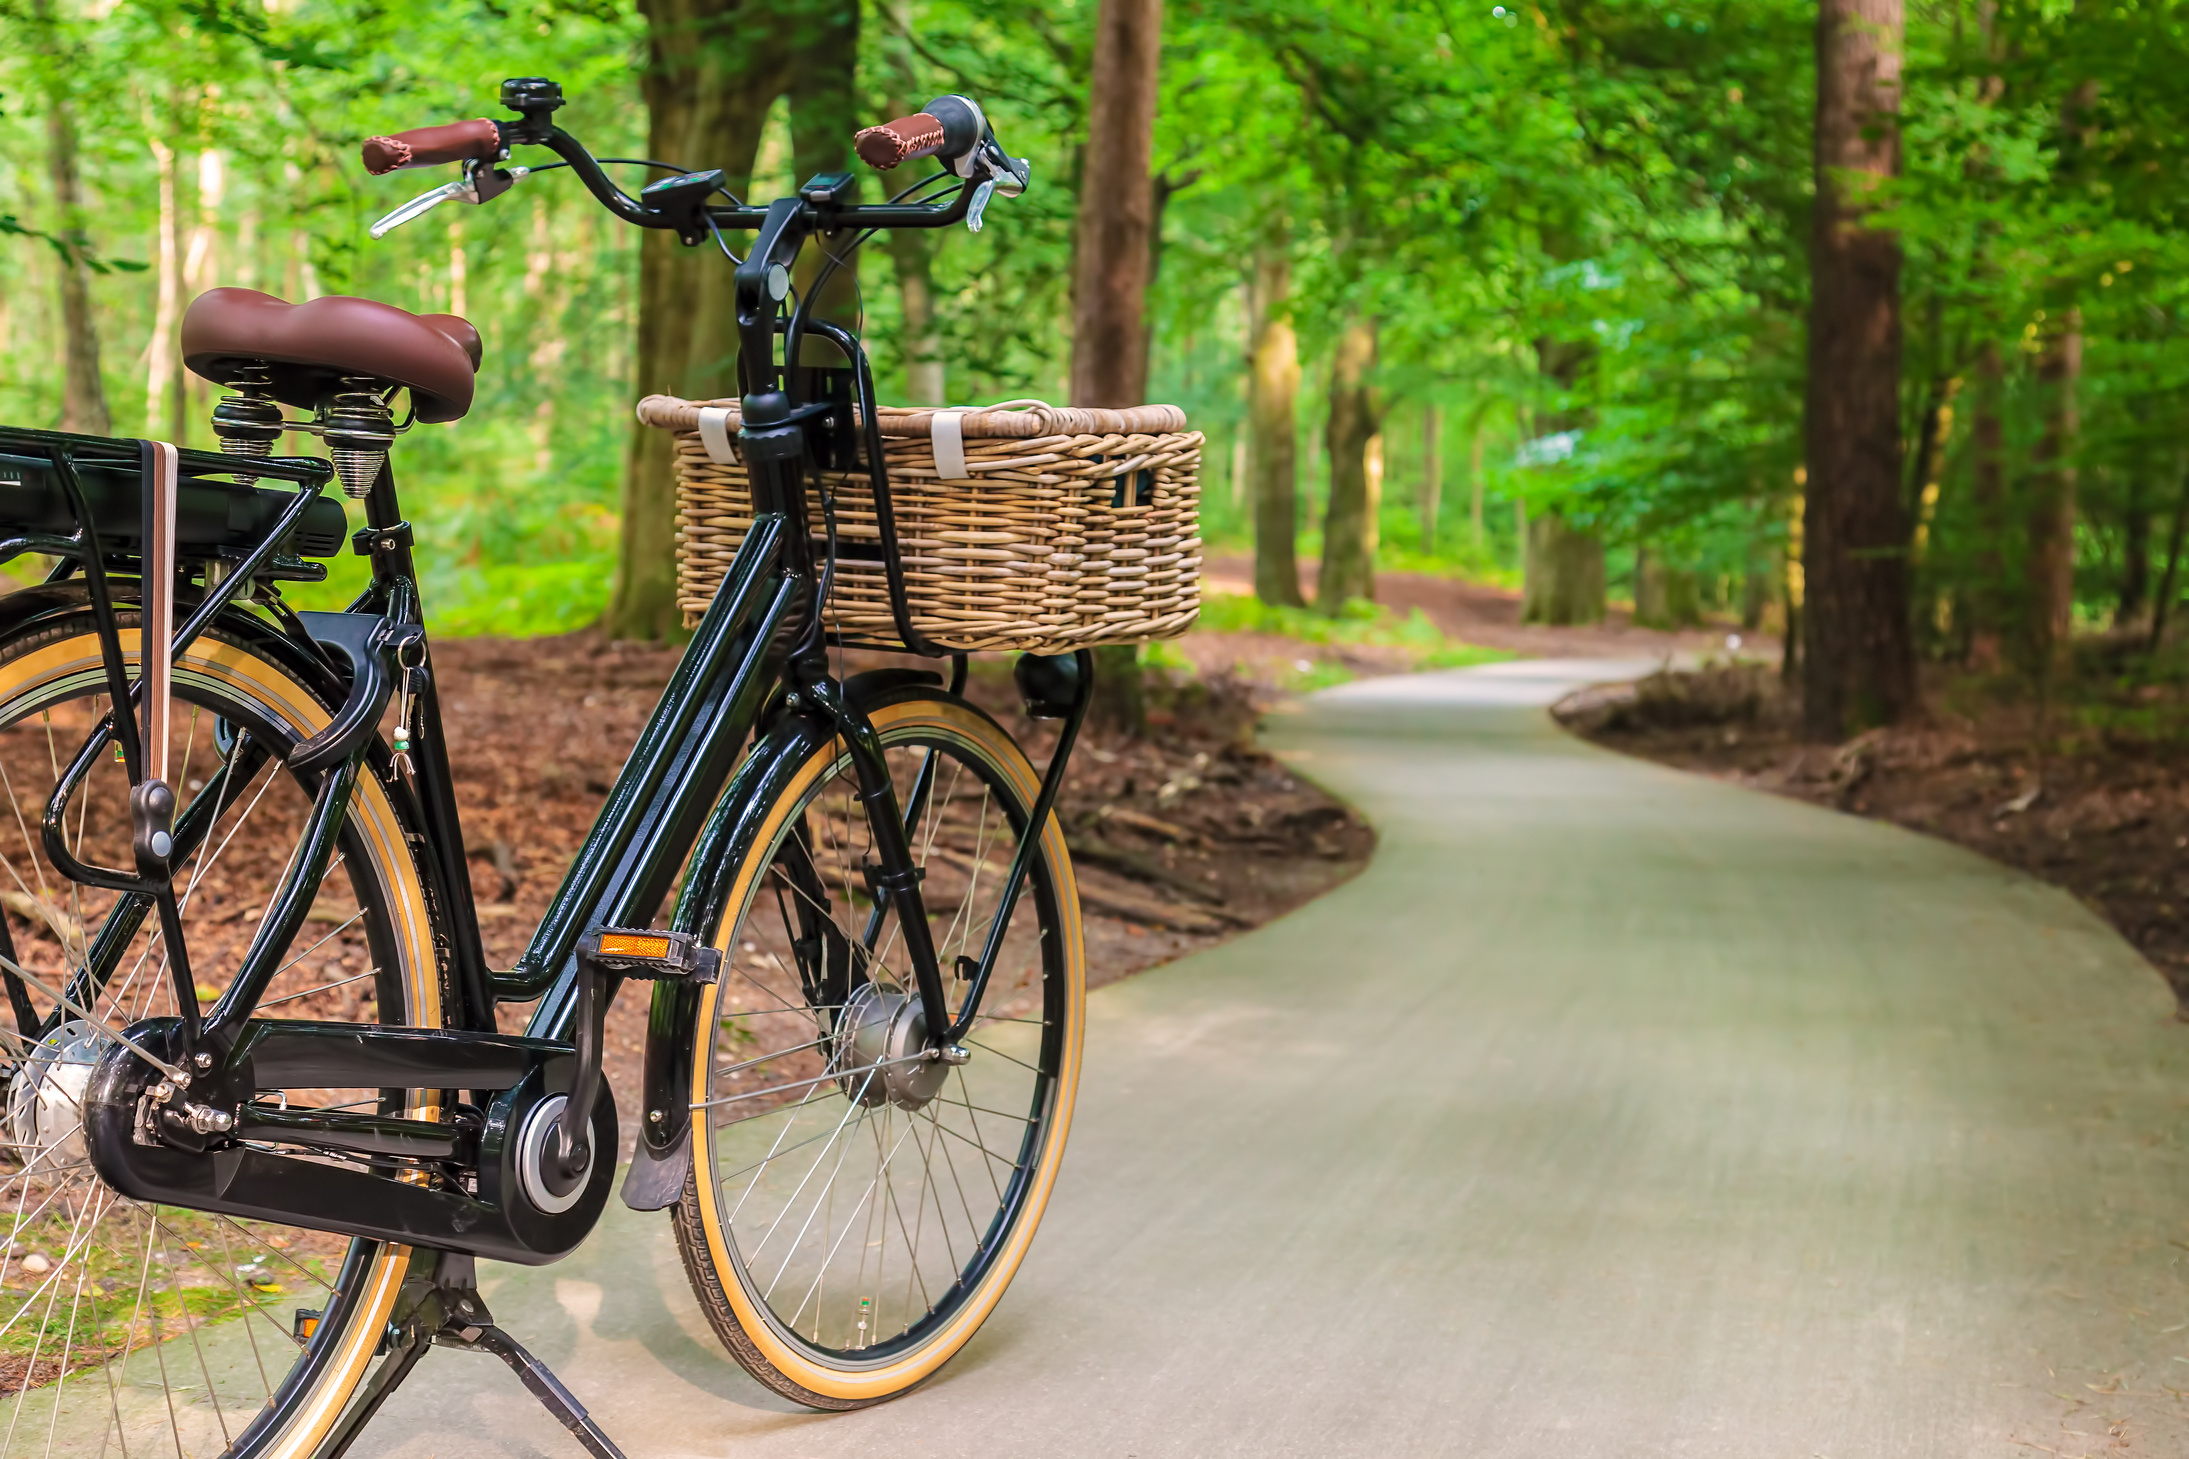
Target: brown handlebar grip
x=902 y=140
x=428 y=146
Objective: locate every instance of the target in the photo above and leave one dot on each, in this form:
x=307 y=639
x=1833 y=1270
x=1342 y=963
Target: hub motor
x=46 y=1097
x=882 y=1053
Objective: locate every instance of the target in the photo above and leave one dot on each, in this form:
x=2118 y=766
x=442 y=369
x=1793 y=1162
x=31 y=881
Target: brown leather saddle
x=308 y=350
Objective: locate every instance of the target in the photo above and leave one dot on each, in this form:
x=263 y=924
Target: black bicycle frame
x=758 y=655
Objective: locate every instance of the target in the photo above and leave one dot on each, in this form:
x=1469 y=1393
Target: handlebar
x=478 y=140
x=951 y=128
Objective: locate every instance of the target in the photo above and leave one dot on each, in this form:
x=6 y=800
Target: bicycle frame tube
x=676 y=770
x=765 y=611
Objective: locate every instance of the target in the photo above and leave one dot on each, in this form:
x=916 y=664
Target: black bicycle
x=260 y=1120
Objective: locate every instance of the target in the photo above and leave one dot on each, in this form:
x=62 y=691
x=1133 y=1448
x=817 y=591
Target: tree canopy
x=1578 y=231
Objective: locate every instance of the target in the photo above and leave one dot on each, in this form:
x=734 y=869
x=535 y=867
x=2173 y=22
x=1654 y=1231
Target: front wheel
x=856 y=1209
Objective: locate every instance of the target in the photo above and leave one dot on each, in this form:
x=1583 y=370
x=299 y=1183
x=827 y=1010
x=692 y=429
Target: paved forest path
x=1611 y=1112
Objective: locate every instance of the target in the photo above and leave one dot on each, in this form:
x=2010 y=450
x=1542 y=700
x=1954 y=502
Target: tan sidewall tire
x=801 y=1377
x=240 y=672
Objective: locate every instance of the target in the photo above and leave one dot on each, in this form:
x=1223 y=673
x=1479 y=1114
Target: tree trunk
x=1349 y=562
x=1562 y=573
x=1474 y=480
x=2169 y=578
x=201 y=271
x=1649 y=590
x=1790 y=654
x=822 y=37
x=1859 y=667
x=1432 y=476
x=1933 y=432
x=1110 y=260
x=1563 y=582
x=459 y=271
x=83 y=388
x=1372 y=512
x=83 y=391
x=1116 y=222
x=713 y=70
x=911 y=250
x=1665 y=597
x=925 y=381
x=2051 y=529
x=1987 y=595
x=2134 y=599
x=1273 y=388
x=1756 y=586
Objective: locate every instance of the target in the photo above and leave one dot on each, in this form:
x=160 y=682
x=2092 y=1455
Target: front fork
x=896 y=879
x=774 y=443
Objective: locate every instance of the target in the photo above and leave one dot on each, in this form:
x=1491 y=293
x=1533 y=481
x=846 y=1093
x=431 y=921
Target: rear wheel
x=132 y=1328
x=856 y=1210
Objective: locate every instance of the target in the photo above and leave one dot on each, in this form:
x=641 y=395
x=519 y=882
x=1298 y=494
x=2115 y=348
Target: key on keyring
x=401 y=762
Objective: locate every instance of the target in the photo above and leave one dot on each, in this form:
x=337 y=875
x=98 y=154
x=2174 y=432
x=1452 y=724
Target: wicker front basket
x=1029 y=551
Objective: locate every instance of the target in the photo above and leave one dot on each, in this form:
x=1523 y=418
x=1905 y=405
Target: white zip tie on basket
x=946 y=434
x=714 y=434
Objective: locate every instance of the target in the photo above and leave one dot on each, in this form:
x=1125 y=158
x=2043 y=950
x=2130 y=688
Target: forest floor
x=1181 y=837
x=2090 y=794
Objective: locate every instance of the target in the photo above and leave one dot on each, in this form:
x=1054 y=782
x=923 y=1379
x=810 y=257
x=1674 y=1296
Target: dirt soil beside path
x=1181 y=839
x=2096 y=801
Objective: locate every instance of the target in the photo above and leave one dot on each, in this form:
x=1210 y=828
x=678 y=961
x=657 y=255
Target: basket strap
x=714 y=434
x=946 y=434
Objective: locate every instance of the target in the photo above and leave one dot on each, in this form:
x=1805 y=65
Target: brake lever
x=482 y=182
x=1005 y=174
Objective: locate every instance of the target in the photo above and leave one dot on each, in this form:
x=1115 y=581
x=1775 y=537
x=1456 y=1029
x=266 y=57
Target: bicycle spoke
x=851 y=1227
x=128 y=1329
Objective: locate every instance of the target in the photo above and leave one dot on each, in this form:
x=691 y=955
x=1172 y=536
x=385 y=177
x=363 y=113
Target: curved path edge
x=1611 y=1112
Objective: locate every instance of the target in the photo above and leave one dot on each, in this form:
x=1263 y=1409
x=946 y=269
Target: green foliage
x=1582 y=227
x=261 y=110
x=1358 y=623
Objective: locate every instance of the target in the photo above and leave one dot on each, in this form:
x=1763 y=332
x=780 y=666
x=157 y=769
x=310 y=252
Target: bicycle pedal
x=628 y=952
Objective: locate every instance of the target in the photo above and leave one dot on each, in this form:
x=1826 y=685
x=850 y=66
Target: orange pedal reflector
x=638 y=952
x=633 y=944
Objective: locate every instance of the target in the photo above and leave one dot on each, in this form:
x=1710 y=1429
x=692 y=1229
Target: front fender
x=663 y=1157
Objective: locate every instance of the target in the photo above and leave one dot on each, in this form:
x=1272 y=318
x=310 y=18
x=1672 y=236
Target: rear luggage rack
x=215 y=518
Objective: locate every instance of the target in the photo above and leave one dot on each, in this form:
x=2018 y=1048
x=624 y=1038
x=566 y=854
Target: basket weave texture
x=1029 y=552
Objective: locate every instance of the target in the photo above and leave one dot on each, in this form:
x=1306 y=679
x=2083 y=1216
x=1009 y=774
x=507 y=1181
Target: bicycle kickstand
x=445 y=1310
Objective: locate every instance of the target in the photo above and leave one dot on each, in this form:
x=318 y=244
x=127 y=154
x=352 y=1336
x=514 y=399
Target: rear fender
x=61 y=605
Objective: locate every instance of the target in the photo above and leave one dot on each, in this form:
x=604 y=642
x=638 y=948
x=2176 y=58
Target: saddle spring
x=248 y=421
x=355 y=422
x=358 y=428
